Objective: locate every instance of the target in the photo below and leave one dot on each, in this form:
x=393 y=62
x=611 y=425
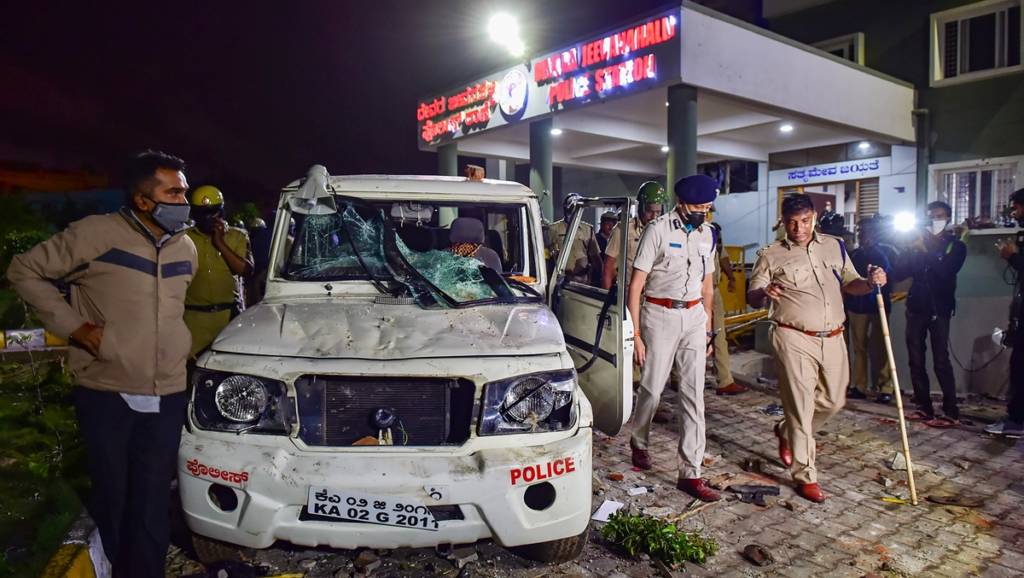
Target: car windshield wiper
x=377 y=282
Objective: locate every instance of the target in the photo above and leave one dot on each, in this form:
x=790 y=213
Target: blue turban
x=696 y=189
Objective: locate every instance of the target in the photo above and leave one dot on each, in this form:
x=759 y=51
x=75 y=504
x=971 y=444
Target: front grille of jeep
x=339 y=411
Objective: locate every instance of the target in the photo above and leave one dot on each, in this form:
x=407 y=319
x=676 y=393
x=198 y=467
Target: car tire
x=555 y=551
x=210 y=551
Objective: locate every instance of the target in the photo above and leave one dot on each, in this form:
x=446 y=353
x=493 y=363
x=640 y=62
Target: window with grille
x=978 y=195
x=977 y=40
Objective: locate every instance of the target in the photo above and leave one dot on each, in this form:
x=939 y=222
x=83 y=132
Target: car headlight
x=241 y=398
x=237 y=403
x=538 y=402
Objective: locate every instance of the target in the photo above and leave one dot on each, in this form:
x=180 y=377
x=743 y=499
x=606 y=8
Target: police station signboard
x=632 y=58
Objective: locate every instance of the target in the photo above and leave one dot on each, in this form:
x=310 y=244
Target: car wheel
x=210 y=551
x=555 y=551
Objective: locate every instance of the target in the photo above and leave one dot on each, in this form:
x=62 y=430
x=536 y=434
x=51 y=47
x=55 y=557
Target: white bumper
x=272 y=482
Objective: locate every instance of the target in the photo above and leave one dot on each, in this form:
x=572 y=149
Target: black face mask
x=695 y=219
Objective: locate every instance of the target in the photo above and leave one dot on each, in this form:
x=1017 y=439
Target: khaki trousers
x=869 y=350
x=721 y=343
x=674 y=338
x=813 y=375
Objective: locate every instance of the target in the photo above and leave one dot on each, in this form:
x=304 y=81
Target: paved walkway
x=855 y=533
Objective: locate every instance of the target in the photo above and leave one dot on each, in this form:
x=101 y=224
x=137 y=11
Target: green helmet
x=651 y=192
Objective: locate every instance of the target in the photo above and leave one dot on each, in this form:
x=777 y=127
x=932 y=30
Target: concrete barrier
x=80 y=555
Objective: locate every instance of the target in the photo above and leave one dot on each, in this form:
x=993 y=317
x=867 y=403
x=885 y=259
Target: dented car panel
x=485 y=485
x=332 y=328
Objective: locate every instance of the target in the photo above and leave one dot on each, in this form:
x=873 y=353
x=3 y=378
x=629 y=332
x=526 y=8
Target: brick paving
x=855 y=533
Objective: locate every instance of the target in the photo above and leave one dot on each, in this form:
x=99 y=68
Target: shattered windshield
x=431 y=253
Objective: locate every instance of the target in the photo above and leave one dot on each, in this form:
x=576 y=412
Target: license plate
x=354 y=507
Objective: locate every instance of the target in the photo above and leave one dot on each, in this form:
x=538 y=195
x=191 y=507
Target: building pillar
x=923 y=129
x=541 y=171
x=682 y=134
x=502 y=169
x=448 y=160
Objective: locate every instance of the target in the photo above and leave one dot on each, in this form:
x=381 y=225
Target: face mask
x=172 y=218
x=695 y=219
x=938 y=226
x=206 y=219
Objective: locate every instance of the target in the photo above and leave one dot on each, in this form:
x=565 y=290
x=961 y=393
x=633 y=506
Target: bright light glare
x=503 y=29
x=556 y=131
x=904 y=222
x=664 y=148
x=786 y=128
x=864 y=145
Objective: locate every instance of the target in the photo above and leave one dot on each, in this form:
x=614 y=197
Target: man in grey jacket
x=128 y=272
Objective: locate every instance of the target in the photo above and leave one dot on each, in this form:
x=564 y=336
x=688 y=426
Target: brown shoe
x=698 y=489
x=785 y=454
x=731 y=389
x=811 y=492
x=641 y=458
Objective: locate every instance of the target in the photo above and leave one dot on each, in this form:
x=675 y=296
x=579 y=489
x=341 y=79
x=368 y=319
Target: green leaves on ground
x=659 y=539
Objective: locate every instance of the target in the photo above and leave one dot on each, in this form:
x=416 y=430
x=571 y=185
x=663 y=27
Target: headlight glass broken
x=538 y=402
x=240 y=403
x=241 y=398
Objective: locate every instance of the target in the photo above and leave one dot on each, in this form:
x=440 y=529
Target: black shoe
x=885 y=398
x=853 y=393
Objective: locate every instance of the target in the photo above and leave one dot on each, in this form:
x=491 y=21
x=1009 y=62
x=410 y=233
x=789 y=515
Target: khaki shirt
x=635 y=228
x=676 y=261
x=214 y=283
x=586 y=253
x=812 y=279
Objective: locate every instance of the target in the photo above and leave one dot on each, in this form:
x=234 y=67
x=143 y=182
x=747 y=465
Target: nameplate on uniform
x=676 y=245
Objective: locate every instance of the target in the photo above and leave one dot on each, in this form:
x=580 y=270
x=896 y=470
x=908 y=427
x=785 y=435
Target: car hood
x=364 y=330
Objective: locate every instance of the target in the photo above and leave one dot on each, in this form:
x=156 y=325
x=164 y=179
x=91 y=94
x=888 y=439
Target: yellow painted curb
x=70 y=561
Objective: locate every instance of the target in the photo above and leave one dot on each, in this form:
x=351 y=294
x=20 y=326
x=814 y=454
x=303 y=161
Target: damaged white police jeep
x=391 y=391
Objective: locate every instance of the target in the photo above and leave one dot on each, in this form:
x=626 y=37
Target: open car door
x=595 y=322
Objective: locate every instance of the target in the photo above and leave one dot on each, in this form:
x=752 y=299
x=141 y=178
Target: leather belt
x=832 y=333
x=211 y=308
x=673 y=303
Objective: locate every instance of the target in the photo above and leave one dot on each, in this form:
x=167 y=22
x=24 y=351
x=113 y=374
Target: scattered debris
x=751 y=494
x=640 y=490
x=773 y=409
x=957 y=500
x=752 y=465
x=767 y=380
x=462 y=556
x=758 y=555
x=962 y=463
x=660 y=512
x=616 y=476
x=898 y=462
x=608 y=508
x=884 y=481
x=367 y=562
x=709 y=460
x=892 y=500
x=639 y=535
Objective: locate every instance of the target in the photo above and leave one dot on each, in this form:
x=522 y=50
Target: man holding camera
x=1013 y=425
x=933 y=260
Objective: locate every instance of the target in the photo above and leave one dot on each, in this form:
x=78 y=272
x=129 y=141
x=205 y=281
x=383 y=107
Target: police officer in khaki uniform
x=726 y=384
x=586 y=253
x=672 y=272
x=804 y=277
x=650 y=199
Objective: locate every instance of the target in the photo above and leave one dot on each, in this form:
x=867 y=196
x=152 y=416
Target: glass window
x=978 y=41
x=978 y=195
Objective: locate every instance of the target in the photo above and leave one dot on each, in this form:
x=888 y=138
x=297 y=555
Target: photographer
x=1013 y=425
x=933 y=260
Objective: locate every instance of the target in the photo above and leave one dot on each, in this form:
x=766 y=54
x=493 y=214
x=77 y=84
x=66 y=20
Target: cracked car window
x=350 y=245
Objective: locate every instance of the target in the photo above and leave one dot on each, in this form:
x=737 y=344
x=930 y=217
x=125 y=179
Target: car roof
x=412 y=186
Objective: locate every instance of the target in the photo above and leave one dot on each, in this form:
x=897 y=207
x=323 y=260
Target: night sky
x=251 y=94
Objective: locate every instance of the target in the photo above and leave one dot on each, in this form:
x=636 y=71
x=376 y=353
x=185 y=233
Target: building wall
x=978 y=119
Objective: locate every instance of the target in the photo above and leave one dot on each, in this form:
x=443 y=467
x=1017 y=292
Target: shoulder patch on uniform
x=676 y=224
